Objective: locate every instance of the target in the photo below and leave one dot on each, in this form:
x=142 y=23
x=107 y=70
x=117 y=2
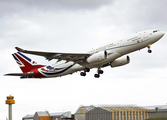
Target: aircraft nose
x=162 y=33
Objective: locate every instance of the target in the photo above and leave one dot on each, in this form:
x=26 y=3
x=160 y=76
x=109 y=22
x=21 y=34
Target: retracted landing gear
x=84 y=73
x=149 y=46
x=98 y=73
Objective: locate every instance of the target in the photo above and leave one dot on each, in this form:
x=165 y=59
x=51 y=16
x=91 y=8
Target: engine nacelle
x=120 y=61
x=97 y=57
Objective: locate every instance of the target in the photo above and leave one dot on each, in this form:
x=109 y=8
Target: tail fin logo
x=25 y=63
x=18 y=61
x=17 y=56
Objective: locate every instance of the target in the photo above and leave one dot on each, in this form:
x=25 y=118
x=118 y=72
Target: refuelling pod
x=120 y=61
x=97 y=57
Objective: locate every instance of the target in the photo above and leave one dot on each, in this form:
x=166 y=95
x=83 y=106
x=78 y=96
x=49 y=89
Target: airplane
x=67 y=63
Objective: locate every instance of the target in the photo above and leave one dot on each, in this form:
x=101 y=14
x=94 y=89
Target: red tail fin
x=25 y=63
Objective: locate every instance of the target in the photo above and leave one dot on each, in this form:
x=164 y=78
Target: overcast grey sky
x=79 y=26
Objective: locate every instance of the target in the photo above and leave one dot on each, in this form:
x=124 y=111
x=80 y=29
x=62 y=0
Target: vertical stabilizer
x=25 y=63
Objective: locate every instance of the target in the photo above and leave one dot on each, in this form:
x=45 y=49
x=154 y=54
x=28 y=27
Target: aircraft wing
x=20 y=74
x=79 y=58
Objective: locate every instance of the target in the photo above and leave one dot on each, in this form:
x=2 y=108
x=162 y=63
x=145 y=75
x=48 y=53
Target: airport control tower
x=10 y=101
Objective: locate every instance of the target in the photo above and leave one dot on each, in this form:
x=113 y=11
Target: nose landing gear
x=149 y=46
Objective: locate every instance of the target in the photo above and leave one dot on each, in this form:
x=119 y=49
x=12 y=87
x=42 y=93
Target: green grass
x=157 y=119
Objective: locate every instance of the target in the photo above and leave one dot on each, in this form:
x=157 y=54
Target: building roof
x=31 y=116
x=56 y=114
x=156 y=106
x=45 y=113
x=64 y=114
x=84 y=109
x=121 y=107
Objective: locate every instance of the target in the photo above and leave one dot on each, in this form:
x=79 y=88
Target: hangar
x=112 y=112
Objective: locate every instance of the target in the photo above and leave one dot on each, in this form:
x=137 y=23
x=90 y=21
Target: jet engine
x=120 y=61
x=97 y=57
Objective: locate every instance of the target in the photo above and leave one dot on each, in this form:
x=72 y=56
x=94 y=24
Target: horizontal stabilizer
x=31 y=74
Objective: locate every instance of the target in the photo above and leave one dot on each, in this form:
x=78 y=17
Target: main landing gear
x=84 y=73
x=149 y=46
x=98 y=73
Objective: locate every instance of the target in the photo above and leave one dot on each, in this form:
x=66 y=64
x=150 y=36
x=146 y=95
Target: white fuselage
x=115 y=50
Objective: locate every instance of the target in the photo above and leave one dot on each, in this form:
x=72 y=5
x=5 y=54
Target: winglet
x=19 y=49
